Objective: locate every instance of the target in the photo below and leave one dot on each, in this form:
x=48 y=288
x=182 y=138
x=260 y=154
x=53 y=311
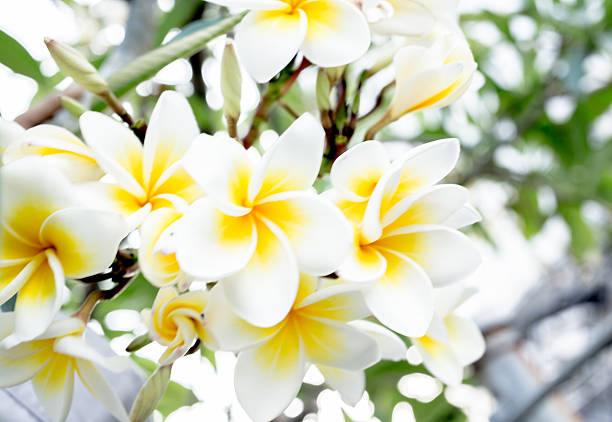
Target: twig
x=46 y=109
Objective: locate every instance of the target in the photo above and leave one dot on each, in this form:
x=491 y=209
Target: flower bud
x=231 y=82
x=73 y=64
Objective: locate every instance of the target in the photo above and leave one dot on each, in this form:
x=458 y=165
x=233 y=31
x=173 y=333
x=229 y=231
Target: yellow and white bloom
x=431 y=76
x=51 y=361
x=60 y=148
x=452 y=341
x=146 y=177
x=405 y=237
x=177 y=321
x=46 y=235
x=272 y=361
x=261 y=221
x=329 y=33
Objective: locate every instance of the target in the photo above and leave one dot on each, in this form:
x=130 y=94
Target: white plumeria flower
x=10 y=132
x=261 y=221
x=329 y=33
x=177 y=321
x=146 y=177
x=431 y=76
x=272 y=361
x=46 y=234
x=452 y=342
x=51 y=361
x=60 y=148
x=403 y=241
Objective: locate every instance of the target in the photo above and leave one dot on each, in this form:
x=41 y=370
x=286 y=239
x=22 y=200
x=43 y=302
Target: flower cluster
x=292 y=273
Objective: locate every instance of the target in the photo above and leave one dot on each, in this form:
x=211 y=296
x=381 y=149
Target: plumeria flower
x=452 y=341
x=431 y=76
x=329 y=33
x=405 y=237
x=159 y=267
x=146 y=177
x=261 y=221
x=45 y=236
x=51 y=361
x=177 y=321
x=60 y=148
x=272 y=361
x=10 y=131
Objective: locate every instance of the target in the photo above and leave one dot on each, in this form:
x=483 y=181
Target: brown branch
x=46 y=109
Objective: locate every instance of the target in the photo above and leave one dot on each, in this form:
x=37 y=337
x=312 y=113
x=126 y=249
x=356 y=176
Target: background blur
x=536 y=135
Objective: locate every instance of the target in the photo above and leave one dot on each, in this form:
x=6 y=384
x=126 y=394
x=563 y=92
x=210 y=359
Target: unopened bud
x=73 y=64
x=323 y=90
x=231 y=82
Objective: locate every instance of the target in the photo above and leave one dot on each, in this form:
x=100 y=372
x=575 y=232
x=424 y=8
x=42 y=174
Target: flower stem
x=139 y=127
x=376 y=127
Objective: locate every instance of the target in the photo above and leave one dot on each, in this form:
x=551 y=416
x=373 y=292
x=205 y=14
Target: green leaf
x=150 y=394
x=178 y=17
x=17 y=58
x=147 y=65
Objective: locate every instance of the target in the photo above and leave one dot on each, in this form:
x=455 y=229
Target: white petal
x=100 y=389
x=331 y=343
x=410 y=18
x=7 y=322
x=22 y=362
x=355 y=173
x=13 y=278
x=437 y=329
x=10 y=132
x=466 y=339
x=210 y=244
x=171 y=131
x=40 y=299
x=85 y=241
x=433 y=205
x=266 y=42
x=445 y=254
x=403 y=298
x=425 y=89
x=350 y=384
x=337 y=33
x=292 y=163
x=269 y=377
x=159 y=268
x=221 y=166
x=463 y=217
x=75 y=346
x=364 y=264
x=263 y=292
x=440 y=360
x=319 y=233
x=229 y=331
x=117 y=150
x=449 y=298
x=427 y=164
x=54 y=387
x=31 y=192
x=391 y=346
x=340 y=302
x=63 y=327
